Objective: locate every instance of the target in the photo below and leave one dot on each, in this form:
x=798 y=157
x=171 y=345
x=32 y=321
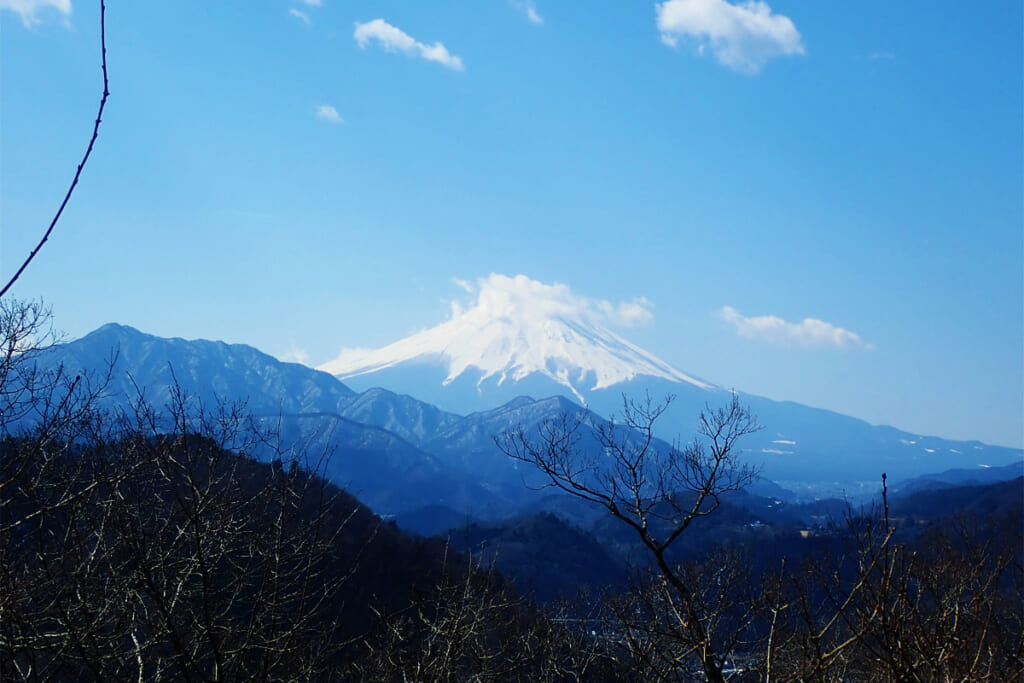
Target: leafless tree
x=945 y=608
x=658 y=494
x=471 y=626
x=135 y=545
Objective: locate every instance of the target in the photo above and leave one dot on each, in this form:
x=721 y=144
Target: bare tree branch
x=85 y=157
x=657 y=494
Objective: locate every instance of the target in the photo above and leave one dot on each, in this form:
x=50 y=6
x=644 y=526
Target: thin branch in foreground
x=85 y=157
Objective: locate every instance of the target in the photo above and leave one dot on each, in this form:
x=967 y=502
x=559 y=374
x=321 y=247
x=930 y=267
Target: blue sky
x=316 y=175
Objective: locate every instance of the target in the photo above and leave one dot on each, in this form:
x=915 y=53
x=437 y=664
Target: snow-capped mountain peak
x=519 y=327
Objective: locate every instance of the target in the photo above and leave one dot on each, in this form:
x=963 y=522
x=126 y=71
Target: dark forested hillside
x=171 y=558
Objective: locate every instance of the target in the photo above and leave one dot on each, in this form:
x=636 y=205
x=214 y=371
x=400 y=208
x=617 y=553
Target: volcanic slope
x=523 y=337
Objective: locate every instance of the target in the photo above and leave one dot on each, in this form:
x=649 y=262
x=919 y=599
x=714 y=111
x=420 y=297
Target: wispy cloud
x=882 y=56
x=627 y=313
x=299 y=14
x=29 y=10
x=501 y=295
x=326 y=112
x=295 y=355
x=529 y=10
x=312 y=3
x=464 y=285
x=394 y=39
x=742 y=36
x=810 y=333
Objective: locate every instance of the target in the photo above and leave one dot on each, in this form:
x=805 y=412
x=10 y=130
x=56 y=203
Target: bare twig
x=85 y=157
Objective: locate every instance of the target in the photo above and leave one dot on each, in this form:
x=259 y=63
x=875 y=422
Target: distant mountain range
x=400 y=454
x=512 y=344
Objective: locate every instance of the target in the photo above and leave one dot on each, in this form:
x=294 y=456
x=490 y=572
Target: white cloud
x=463 y=284
x=299 y=14
x=295 y=355
x=312 y=3
x=519 y=296
x=742 y=36
x=28 y=9
x=395 y=40
x=810 y=333
x=326 y=112
x=529 y=10
x=628 y=313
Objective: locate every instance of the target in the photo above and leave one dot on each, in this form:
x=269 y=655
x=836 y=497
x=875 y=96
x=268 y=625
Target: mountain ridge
x=808 y=451
x=474 y=362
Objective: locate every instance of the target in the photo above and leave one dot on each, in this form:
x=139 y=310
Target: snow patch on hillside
x=518 y=327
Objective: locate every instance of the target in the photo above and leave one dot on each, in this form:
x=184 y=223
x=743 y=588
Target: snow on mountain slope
x=520 y=327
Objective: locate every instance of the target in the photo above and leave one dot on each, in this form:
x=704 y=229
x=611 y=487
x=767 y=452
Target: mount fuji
x=523 y=337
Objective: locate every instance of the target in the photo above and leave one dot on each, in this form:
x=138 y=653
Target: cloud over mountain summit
x=530 y=300
x=517 y=327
